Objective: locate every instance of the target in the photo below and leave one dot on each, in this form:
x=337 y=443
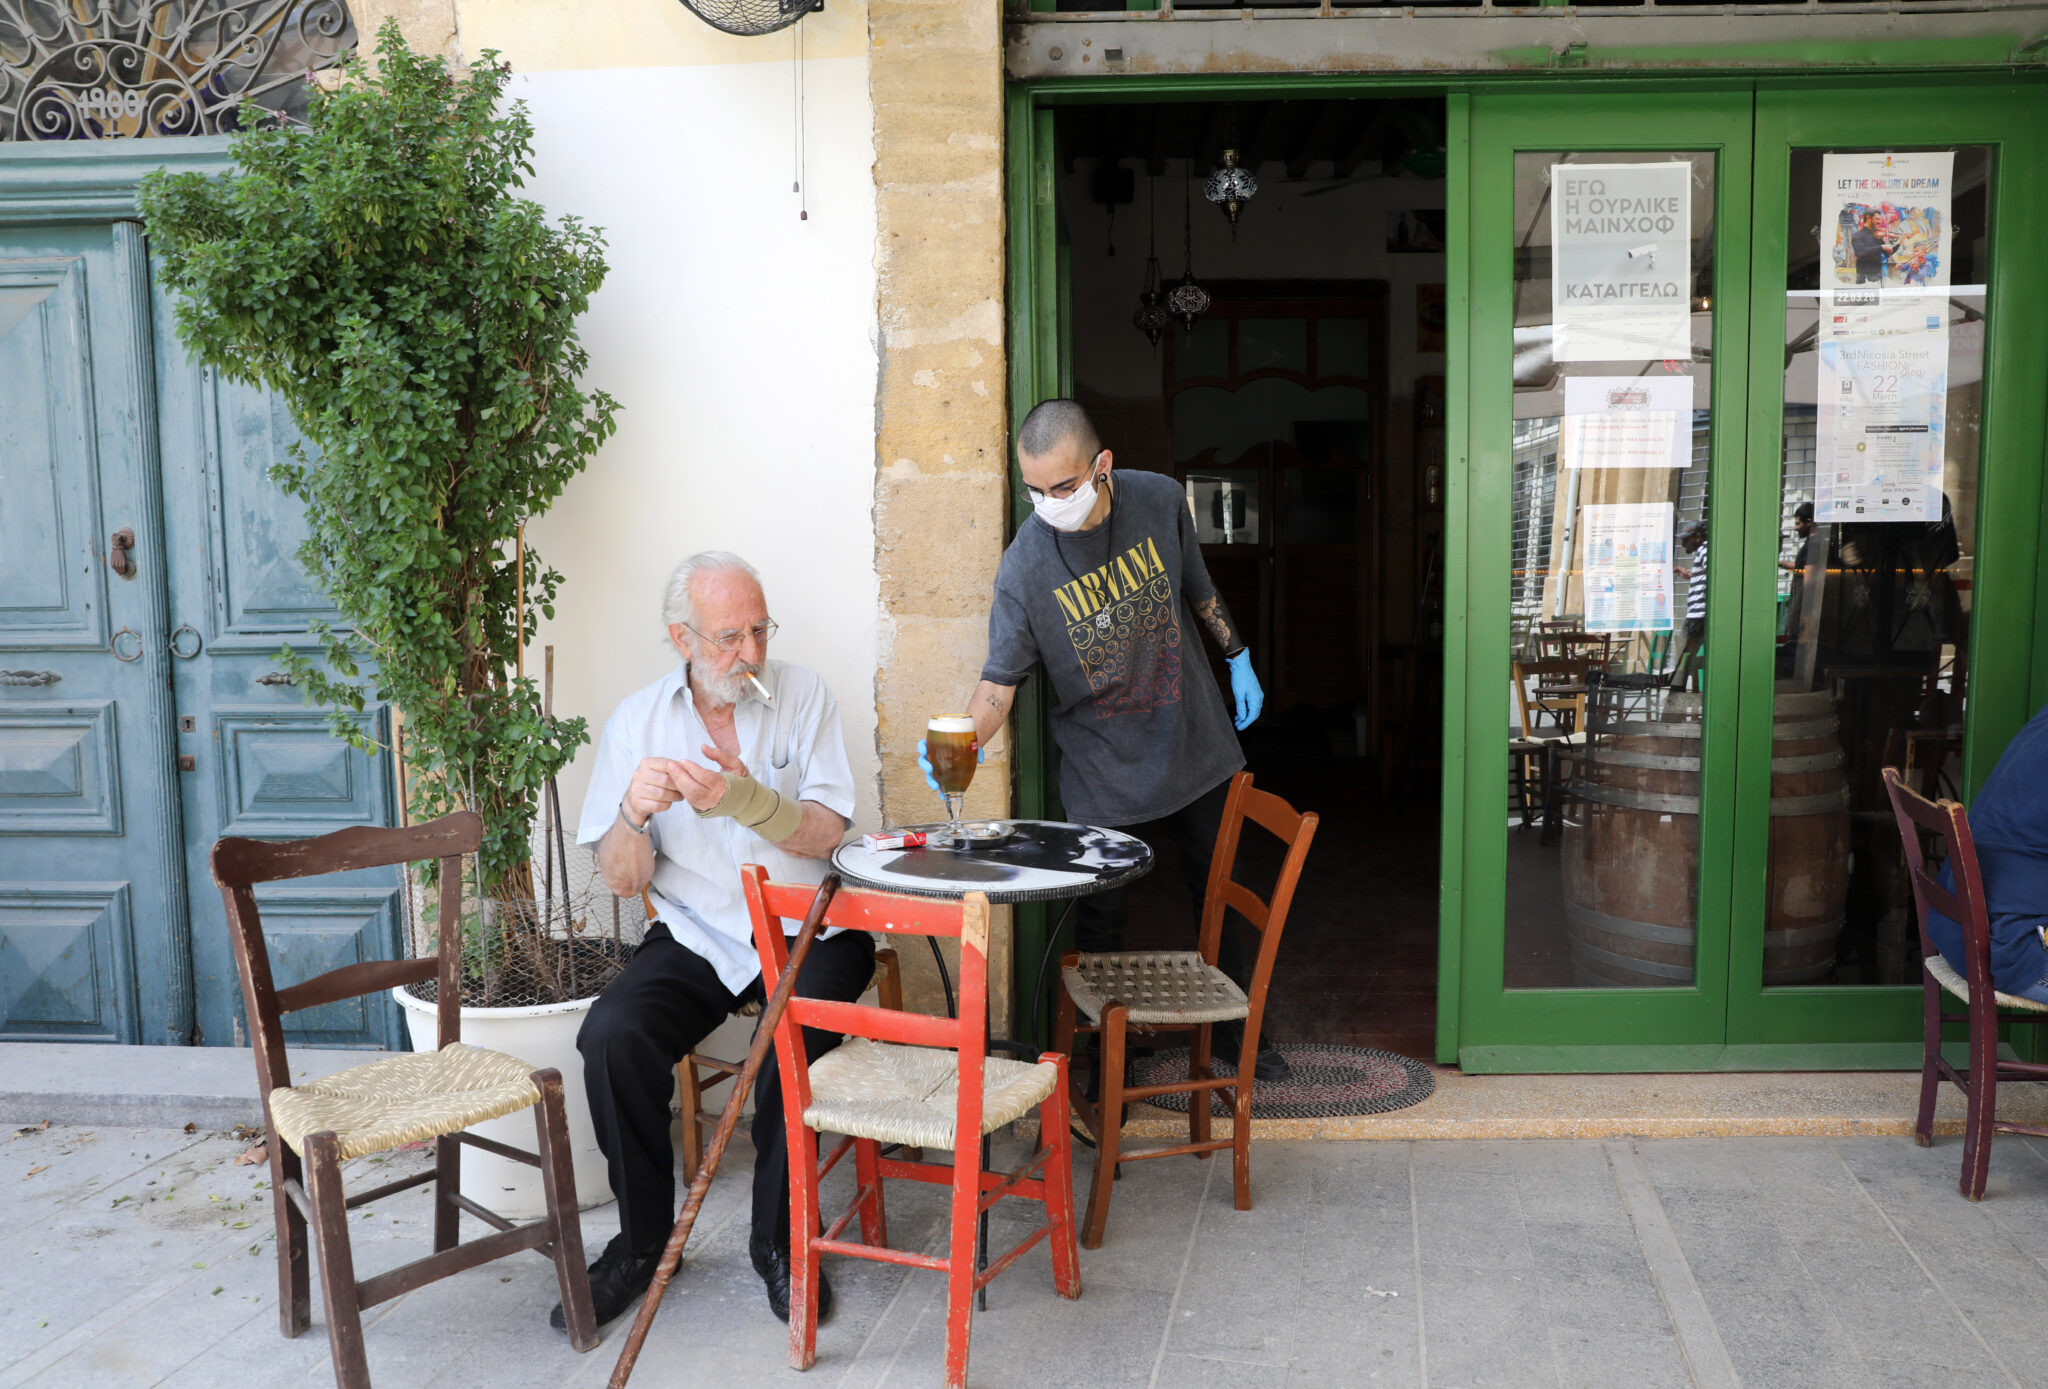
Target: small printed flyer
x=1885 y=220
x=1882 y=415
x=1621 y=262
x=1627 y=422
x=1628 y=566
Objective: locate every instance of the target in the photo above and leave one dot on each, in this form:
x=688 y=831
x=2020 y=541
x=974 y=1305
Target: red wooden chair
x=385 y=1103
x=1949 y=824
x=893 y=1081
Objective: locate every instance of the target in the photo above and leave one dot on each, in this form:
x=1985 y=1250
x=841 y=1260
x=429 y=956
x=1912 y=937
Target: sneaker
x=616 y=1281
x=1226 y=1039
x=771 y=1261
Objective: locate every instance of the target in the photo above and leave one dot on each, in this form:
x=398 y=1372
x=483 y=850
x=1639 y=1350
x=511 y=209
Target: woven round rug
x=1328 y=1082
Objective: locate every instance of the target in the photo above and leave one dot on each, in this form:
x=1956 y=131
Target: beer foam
x=959 y=723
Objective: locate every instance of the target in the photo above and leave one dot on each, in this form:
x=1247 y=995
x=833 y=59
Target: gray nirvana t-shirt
x=1141 y=726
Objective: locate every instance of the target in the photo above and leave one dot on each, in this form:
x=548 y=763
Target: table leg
x=1552 y=821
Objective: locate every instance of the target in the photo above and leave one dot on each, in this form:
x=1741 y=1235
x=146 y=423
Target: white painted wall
x=741 y=345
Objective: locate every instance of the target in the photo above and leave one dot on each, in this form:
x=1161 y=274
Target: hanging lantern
x=1231 y=187
x=1152 y=318
x=1187 y=300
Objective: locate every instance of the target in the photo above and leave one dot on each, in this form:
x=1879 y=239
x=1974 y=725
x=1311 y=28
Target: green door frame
x=1854 y=1030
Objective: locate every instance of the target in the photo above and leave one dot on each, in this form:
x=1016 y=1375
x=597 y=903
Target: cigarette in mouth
x=760 y=689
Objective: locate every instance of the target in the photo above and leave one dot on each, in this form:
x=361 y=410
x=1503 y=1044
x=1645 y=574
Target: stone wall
x=941 y=413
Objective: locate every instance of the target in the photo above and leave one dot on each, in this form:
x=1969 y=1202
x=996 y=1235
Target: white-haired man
x=697 y=774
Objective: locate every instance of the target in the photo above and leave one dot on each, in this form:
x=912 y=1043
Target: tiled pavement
x=142 y=1257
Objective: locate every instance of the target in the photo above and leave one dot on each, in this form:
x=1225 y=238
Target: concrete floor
x=143 y=1257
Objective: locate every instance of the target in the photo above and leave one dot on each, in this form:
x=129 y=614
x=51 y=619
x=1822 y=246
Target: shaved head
x=1055 y=426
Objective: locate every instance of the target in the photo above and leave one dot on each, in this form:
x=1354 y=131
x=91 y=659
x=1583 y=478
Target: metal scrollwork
x=120 y=69
x=29 y=677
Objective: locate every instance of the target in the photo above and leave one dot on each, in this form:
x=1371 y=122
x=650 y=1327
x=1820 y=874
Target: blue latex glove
x=924 y=762
x=1244 y=690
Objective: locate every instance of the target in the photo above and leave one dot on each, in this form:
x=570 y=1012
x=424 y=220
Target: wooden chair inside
x=313 y=1128
x=1550 y=696
x=892 y=1082
x=1947 y=825
x=1107 y=995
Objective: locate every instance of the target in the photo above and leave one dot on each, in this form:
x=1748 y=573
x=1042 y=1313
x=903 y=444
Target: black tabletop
x=1044 y=861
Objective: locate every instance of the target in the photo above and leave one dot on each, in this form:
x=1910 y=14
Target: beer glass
x=949 y=746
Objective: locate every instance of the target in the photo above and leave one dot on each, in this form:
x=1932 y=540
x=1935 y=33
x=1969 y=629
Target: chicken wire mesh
x=565 y=942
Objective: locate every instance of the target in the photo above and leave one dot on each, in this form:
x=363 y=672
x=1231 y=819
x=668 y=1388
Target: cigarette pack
x=897 y=839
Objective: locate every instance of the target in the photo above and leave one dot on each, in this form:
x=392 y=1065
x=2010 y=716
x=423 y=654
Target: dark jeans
x=663 y=1004
x=1099 y=919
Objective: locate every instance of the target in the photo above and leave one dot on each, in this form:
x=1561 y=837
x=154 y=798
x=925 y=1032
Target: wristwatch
x=640 y=830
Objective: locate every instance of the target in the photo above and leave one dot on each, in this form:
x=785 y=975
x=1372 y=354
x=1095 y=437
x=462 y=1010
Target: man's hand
x=654 y=788
x=704 y=787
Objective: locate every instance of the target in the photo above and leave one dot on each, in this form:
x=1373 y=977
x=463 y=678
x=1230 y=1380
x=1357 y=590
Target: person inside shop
x=730 y=758
x=1694 y=542
x=2009 y=822
x=1103 y=583
x=1795 y=601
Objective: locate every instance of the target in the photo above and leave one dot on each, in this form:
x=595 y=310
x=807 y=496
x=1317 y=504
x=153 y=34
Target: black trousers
x=663 y=1004
x=1099 y=919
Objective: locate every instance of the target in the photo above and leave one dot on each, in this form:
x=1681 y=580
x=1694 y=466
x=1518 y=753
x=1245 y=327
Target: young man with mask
x=1103 y=584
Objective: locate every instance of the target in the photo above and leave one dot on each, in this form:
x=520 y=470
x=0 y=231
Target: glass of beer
x=949 y=746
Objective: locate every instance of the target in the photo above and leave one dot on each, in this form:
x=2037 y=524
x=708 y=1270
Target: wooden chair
x=894 y=1081
x=1948 y=823
x=699 y=1071
x=1183 y=991
x=1550 y=697
x=311 y=1129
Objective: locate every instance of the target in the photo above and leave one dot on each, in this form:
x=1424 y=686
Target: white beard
x=729 y=688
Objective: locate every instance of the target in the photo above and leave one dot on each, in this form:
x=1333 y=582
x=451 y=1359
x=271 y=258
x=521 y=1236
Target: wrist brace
x=764 y=810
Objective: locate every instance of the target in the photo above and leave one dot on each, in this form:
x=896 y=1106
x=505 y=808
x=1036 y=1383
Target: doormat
x=1328 y=1082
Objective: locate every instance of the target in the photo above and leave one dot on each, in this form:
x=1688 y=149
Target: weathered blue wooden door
x=263 y=763
x=92 y=894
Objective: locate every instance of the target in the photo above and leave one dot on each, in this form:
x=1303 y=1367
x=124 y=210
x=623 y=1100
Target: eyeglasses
x=1066 y=489
x=730 y=640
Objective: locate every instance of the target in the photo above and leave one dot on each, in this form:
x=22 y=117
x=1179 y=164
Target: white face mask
x=1068 y=513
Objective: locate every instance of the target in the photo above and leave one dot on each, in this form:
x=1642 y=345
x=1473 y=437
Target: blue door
x=143 y=715
x=92 y=891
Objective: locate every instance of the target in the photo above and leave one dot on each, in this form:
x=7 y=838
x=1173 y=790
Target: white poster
x=1885 y=223
x=1621 y=262
x=1882 y=413
x=1627 y=422
x=1628 y=566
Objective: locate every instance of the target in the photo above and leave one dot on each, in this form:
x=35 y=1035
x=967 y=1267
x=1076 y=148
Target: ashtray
x=973 y=834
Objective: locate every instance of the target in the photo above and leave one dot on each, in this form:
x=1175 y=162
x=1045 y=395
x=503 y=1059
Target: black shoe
x=771 y=1261
x=616 y=1281
x=1227 y=1040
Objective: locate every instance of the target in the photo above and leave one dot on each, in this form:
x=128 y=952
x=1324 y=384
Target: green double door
x=1753 y=420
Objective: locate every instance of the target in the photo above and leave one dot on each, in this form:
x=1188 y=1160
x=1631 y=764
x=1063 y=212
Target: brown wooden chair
x=1183 y=991
x=315 y=1127
x=1948 y=824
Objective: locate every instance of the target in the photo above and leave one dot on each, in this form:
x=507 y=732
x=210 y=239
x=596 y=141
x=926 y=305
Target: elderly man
x=1100 y=584
x=697 y=774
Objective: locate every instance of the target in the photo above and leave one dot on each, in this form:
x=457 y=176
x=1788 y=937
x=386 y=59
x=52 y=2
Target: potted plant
x=374 y=268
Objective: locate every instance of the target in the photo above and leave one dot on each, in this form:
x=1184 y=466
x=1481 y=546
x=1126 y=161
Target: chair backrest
x=240 y=864
x=1293 y=828
x=772 y=904
x=1529 y=677
x=1961 y=901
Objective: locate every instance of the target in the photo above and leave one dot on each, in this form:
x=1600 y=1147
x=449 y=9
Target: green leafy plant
x=374 y=268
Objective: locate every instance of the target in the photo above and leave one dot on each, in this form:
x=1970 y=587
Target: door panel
x=265 y=765
x=92 y=913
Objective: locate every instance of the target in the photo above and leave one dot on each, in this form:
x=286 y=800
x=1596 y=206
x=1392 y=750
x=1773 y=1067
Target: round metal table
x=1044 y=861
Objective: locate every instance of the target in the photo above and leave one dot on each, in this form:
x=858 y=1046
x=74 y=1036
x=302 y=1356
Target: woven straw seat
x=1945 y=975
x=404 y=1099
x=1156 y=986
x=907 y=1095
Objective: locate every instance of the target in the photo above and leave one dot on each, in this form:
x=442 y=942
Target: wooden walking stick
x=764 y=1037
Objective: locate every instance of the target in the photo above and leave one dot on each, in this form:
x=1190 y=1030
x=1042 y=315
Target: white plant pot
x=542 y=1036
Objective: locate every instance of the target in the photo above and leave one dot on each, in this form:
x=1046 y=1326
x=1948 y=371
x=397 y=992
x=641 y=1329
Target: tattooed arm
x=1216 y=618
x=990 y=707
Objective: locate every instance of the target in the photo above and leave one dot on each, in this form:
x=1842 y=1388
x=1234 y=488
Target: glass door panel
x=1612 y=456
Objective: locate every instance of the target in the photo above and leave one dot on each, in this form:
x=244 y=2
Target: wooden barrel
x=1631 y=847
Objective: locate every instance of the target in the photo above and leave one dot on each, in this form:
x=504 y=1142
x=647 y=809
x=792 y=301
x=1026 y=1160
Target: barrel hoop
x=1812 y=762
x=1805 y=935
x=1808 y=704
x=1810 y=805
x=1811 y=728
x=1653 y=761
x=1621 y=926
x=1681 y=974
x=1650 y=728
x=1636 y=800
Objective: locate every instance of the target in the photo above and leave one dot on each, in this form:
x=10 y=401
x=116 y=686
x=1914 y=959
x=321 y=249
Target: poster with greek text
x=1882 y=414
x=1621 y=262
x=1627 y=422
x=1628 y=566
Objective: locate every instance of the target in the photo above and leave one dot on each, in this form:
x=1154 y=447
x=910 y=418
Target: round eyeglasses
x=730 y=640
